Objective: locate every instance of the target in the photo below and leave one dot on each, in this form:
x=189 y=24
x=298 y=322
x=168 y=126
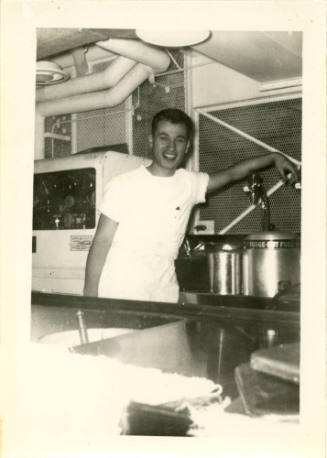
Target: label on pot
x=273 y=244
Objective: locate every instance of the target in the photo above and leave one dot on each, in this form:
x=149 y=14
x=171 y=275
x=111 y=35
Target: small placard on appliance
x=80 y=242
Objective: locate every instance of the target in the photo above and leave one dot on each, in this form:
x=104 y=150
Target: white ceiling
x=263 y=56
x=258 y=55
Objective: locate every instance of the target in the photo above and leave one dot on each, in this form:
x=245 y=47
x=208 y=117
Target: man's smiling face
x=170 y=143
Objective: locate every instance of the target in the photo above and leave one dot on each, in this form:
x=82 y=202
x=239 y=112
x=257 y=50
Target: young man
x=145 y=213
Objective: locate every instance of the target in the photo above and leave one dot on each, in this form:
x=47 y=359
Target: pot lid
x=271 y=235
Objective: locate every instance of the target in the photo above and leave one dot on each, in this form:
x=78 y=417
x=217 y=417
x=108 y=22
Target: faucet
x=258 y=197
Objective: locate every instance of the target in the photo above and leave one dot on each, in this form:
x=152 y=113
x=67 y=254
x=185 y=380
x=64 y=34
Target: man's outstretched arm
x=244 y=168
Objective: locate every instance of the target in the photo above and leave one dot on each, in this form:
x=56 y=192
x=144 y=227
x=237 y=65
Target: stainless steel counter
x=208 y=338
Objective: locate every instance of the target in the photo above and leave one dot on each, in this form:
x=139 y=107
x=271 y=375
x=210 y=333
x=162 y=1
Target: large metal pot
x=225 y=267
x=271 y=263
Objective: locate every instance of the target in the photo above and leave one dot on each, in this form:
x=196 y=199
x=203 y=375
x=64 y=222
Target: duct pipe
x=130 y=52
x=97 y=100
x=94 y=82
x=146 y=54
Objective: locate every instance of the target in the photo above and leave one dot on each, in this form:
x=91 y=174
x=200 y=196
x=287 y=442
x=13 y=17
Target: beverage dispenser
x=67 y=197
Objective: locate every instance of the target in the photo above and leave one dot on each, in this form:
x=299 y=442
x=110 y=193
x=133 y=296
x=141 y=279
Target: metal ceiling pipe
x=89 y=83
x=146 y=54
x=97 y=100
x=130 y=52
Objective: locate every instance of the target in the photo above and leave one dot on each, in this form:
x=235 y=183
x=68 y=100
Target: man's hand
x=286 y=169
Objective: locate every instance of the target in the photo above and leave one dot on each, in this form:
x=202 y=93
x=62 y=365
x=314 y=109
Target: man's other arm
x=97 y=254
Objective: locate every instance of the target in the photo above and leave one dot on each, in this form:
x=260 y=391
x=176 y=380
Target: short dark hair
x=175 y=116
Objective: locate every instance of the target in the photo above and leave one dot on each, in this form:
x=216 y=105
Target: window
x=64 y=200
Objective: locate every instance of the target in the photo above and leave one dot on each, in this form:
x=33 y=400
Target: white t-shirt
x=152 y=213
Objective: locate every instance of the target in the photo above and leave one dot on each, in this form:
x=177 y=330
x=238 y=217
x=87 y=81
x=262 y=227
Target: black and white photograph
x=167 y=232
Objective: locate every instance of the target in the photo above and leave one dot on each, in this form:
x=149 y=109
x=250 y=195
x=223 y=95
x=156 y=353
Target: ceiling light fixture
x=173 y=38
x=49 y=73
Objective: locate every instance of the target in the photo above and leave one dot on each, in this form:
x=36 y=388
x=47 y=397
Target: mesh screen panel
x=276 y=123
x=93 y=128
x=101 y=127
x=58 y=125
